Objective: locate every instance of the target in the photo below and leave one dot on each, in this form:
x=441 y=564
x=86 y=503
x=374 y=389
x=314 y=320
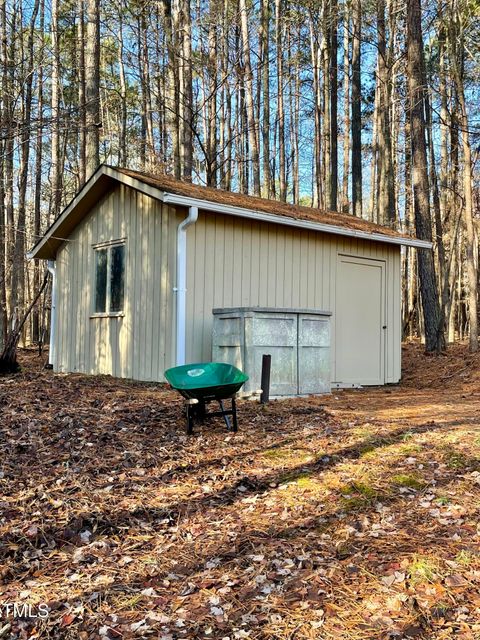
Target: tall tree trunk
x=211 y=100
x=225 y=103
x=280 y=102
x=437 y=214
x=82 y=124
x=434 y=336
x=386 y=193
x=252 y=124
x=410 y=253
x=122 y=136
x=265 y=61
x=346 y=107
x=186 y=94
x=4 y=117
x=172 y=97
x=333 y=78
x=456 y=36
x=56 y=164
x=455 y=204
x=444 y=117
x=375 y=161
x=317 y=195
x=38 y=184
x=92 y=86
x=295 y=127
x=147 y=94
x=9 y=93
x=18 y=267
x=357 y=192
x=326 y=104
x=160 y=85
x=142 y=142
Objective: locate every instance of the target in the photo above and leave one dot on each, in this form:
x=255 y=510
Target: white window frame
x=109 y=245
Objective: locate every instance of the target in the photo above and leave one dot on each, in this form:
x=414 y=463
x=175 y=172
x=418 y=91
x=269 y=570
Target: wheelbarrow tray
x=206 y=380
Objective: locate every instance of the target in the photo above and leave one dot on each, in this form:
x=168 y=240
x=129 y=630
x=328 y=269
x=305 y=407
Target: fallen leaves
x=351 y=522
x=456 y=580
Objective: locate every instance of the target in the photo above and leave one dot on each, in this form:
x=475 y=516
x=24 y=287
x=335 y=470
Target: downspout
x=181 y=288
x=51 y=266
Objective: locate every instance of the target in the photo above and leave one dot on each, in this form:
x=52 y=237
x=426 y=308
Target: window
x=109 y=279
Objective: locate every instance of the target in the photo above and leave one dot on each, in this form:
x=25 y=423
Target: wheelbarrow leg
x=225 y=417
x=190 y=412
x=202 y=411
x=234 y=415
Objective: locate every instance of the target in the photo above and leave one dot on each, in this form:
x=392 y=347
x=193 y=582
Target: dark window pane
x=100 y=280
x=117 y=277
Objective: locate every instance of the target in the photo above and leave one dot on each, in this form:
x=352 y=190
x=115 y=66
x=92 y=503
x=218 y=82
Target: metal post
x=234 y=415
x=265 y=383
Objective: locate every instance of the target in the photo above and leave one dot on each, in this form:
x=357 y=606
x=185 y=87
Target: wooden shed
x=140 y=263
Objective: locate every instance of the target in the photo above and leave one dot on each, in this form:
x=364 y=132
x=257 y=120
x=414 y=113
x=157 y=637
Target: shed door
x=360 y=321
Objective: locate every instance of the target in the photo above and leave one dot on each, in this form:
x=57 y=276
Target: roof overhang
x=105 y=177
x=171 y=198
x=101 y=182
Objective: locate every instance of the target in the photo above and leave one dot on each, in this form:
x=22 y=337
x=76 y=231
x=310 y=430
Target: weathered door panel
x=360 y=321
x=227 y=341
x=274 y=334
x=313 y=354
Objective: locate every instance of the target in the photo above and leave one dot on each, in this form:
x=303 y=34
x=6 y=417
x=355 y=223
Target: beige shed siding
x=139 y=344
x=238 y=262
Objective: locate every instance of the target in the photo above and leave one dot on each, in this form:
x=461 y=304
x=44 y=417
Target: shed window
x=109 y=278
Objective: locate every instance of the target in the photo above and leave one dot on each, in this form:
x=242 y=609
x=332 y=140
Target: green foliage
x=424 y=569
x=406 y=480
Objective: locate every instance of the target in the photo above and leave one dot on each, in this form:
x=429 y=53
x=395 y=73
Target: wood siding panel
x=137 y=345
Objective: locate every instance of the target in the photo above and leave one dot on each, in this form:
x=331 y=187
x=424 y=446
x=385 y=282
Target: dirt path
x=443 y=388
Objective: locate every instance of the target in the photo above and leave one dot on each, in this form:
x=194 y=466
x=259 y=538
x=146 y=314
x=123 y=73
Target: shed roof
x=208 y=199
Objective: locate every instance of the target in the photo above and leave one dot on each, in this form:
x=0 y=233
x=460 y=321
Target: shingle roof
x=219 y=196
x=167 y=188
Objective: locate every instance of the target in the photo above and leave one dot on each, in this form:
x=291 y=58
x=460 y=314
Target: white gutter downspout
x=51 y=266
x=181 y=288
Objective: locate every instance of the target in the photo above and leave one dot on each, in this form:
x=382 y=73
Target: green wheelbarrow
x=207 y=382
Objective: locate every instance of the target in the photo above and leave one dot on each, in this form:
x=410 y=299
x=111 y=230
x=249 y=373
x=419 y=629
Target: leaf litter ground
x=353 y=515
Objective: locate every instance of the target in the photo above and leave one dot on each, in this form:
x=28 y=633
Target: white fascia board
x=61 y=218
x=66 y=212
x=103 y=170
x=171 y=198
x=134 y=183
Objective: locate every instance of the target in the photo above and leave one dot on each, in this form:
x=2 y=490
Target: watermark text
x=14 y=610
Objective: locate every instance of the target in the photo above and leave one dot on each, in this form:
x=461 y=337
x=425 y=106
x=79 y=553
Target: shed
x=141 y=261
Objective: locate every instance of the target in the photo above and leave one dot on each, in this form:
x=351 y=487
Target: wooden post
x=265 y=383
